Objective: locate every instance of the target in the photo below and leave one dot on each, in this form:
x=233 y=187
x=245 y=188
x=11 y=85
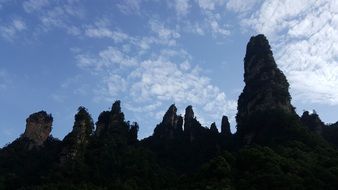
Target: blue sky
x=58 y=55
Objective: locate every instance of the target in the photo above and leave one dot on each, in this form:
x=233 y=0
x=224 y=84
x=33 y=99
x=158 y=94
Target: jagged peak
x=109 y=119
x=78 y=138
x=38 y=127
x=83 y=122
x=312 y=121
x=171 y=124
x=170 y=115
x=40 y=116
x=116 y=107
x=213 y=128
x=225 y=126
x=258 y=46
x=266 y=88
x=189 y=113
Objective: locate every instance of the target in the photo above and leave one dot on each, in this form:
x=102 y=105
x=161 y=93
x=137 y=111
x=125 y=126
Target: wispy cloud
x=102 y=28
x=159 y=34
x=212 y=12
x=104 y=32
x=152 y=71
x=165 y=35
x=242 y=6
x=110 y=57
x=12 y=29
x=168 y=77
x=34 y=5
x=210 y=4
x=129 y=7
x=54 y=14
x=182 y=7
x=163 y=79
x=113 y=85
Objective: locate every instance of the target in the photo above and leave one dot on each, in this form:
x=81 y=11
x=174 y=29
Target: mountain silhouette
x=273 y=147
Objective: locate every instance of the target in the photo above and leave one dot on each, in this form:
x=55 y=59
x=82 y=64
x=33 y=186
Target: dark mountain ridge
x=273 y=147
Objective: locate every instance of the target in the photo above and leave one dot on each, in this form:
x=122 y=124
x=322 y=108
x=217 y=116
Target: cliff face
x=38 y=128
x=266 y=88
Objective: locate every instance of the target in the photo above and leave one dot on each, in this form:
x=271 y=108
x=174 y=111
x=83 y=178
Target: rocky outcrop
x=76 y=141
x=189 y=118
x=111 y=127
x=171 y=125
x=266 y=88
x=38 y=128
x=109 y=119
x=193 y=128
x=213 y=129
x=225 y=127
x=312 y=121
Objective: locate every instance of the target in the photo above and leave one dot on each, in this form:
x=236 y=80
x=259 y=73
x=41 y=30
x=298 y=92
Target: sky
x=57 y=55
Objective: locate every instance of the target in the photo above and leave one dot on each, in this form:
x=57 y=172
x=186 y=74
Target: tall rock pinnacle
x=171 y=124
x=266 y=87
x=108 y=119
x=77 y=140
x=225 y=127
x=192 y=128
x=188 y=119
x=38 y=127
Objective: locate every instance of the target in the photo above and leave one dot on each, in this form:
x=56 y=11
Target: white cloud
x=304 y=35
x=214 y=24
x=166 y=77
x=104 y=32
x=34 y=5
x=101 y=28
x=182 y=7
x=217 y=29
x=19 y=25
x=105 y=59
x=112 y=86
x=163 y=33
x=147 y=108
x=11 y=30
x=54 y=14
x=198 y=29
x=164 y=80
x=159 y=35
x=241 y=6
x=210 y=4
x=73 y=30
x=129 y=7
x=213 y=13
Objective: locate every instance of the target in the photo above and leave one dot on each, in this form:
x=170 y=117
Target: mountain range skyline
x=273 y=147
x=57 y=56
